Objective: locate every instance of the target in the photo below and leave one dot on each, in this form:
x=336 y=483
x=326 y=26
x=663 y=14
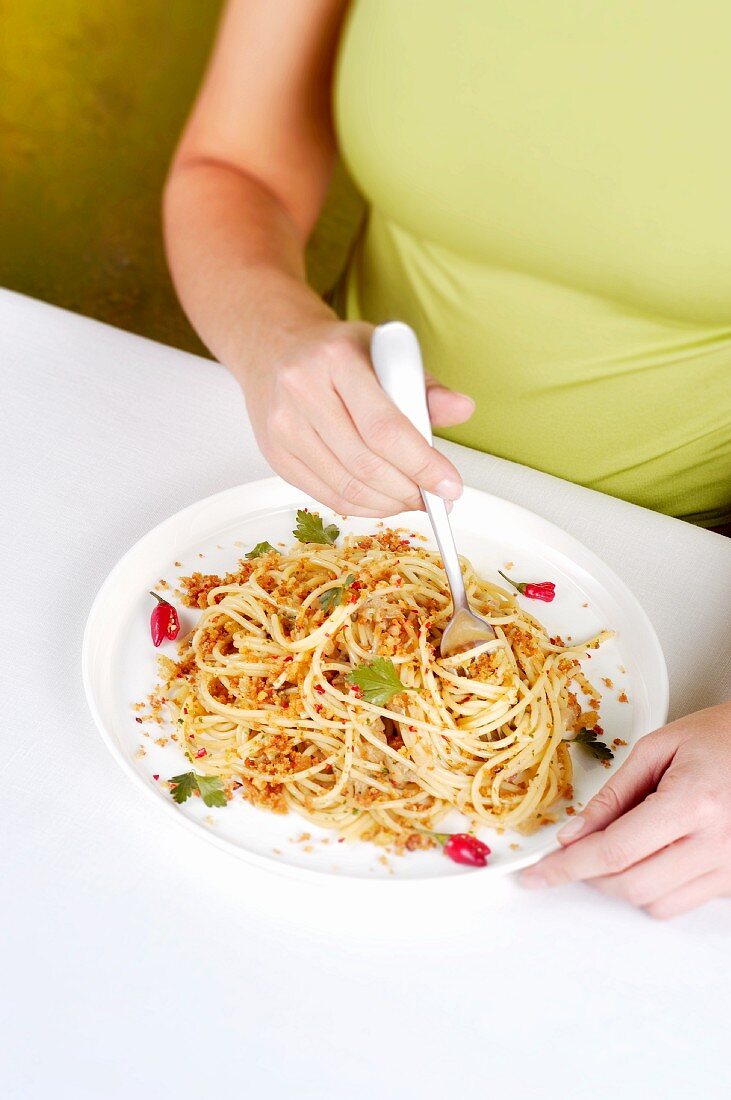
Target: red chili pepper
x=534 y=590
x=200 y=753
x=156 y=777
x=164 y=622
x=319 y=689
x=464 y=848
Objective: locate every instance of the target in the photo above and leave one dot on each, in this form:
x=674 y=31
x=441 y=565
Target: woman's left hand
x=658 y=834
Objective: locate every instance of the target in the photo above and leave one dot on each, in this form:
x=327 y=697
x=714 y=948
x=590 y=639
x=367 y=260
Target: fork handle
x=397 y=362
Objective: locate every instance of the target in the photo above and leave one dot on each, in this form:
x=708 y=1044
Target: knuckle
x=369 y=465
x=614 y=854
x=426 y=470
x=280 y=422
x=294 y=377
x=647 y=745
x=709 y=806
x=556 y=873
x=652 y=749
x=337 y=350
x=605 y=801
x=385 y=432
x=352 y=490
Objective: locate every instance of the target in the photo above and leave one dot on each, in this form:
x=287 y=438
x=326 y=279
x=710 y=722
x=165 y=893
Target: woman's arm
x=252 y=168
x=244 y=193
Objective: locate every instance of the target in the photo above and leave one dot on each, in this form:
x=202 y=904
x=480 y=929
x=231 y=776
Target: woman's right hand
x=325 y=425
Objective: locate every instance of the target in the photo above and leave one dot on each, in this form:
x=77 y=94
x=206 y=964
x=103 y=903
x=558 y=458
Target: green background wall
x=92 y=98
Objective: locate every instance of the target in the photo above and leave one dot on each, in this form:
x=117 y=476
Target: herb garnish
x=310 y=528
x=334 y=596
x=259 y=549
x=379 y=681
x=589 y=739
x=209 y=786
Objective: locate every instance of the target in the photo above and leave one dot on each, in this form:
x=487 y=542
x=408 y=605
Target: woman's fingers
x=714 y=884
x=391 y=435
x=296 y=472
x=644 y=830
x=639 y=775
x=335 y=427
x=447 y=407
x=347 y=486
x=660 y=874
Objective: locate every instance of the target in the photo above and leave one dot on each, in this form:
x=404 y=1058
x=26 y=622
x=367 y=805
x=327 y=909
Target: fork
x=397 y=362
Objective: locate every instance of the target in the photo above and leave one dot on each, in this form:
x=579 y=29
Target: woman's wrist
x=280 y=311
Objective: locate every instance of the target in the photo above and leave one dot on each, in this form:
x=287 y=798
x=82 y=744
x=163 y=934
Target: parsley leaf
x=209 y=786
x=588 y=738
x=334 y=596
x=310 y=528
x=183 y=786
x=259 y=549
x=378 y=680
x=211 y=790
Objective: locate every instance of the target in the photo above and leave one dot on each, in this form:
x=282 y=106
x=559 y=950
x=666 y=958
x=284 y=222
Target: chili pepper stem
x=443 y=838
x=518 y=587
x=160 y=599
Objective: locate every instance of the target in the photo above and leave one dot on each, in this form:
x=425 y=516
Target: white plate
x=119 y=664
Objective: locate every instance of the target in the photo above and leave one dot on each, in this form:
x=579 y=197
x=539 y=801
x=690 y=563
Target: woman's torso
x=550 y=208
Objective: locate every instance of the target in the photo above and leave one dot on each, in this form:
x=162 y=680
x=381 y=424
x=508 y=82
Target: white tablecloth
x=139 y=961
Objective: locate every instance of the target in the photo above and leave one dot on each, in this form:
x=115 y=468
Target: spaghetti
x=312 y=683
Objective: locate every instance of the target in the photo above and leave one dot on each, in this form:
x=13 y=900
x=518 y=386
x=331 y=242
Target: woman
x=548 y=207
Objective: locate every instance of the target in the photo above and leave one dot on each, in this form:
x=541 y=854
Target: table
x=136 y=958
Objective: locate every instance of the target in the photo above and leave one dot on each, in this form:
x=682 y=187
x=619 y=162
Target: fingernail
x=466 y=397
x=449 y=489
x=572 y=828
x=533 y=879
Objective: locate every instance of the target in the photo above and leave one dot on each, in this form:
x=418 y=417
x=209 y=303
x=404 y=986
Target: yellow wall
x=93 y=98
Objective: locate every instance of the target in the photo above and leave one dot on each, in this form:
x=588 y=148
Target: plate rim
x=278 y=488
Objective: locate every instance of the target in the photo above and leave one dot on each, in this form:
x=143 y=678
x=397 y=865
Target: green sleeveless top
x=549 y=190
